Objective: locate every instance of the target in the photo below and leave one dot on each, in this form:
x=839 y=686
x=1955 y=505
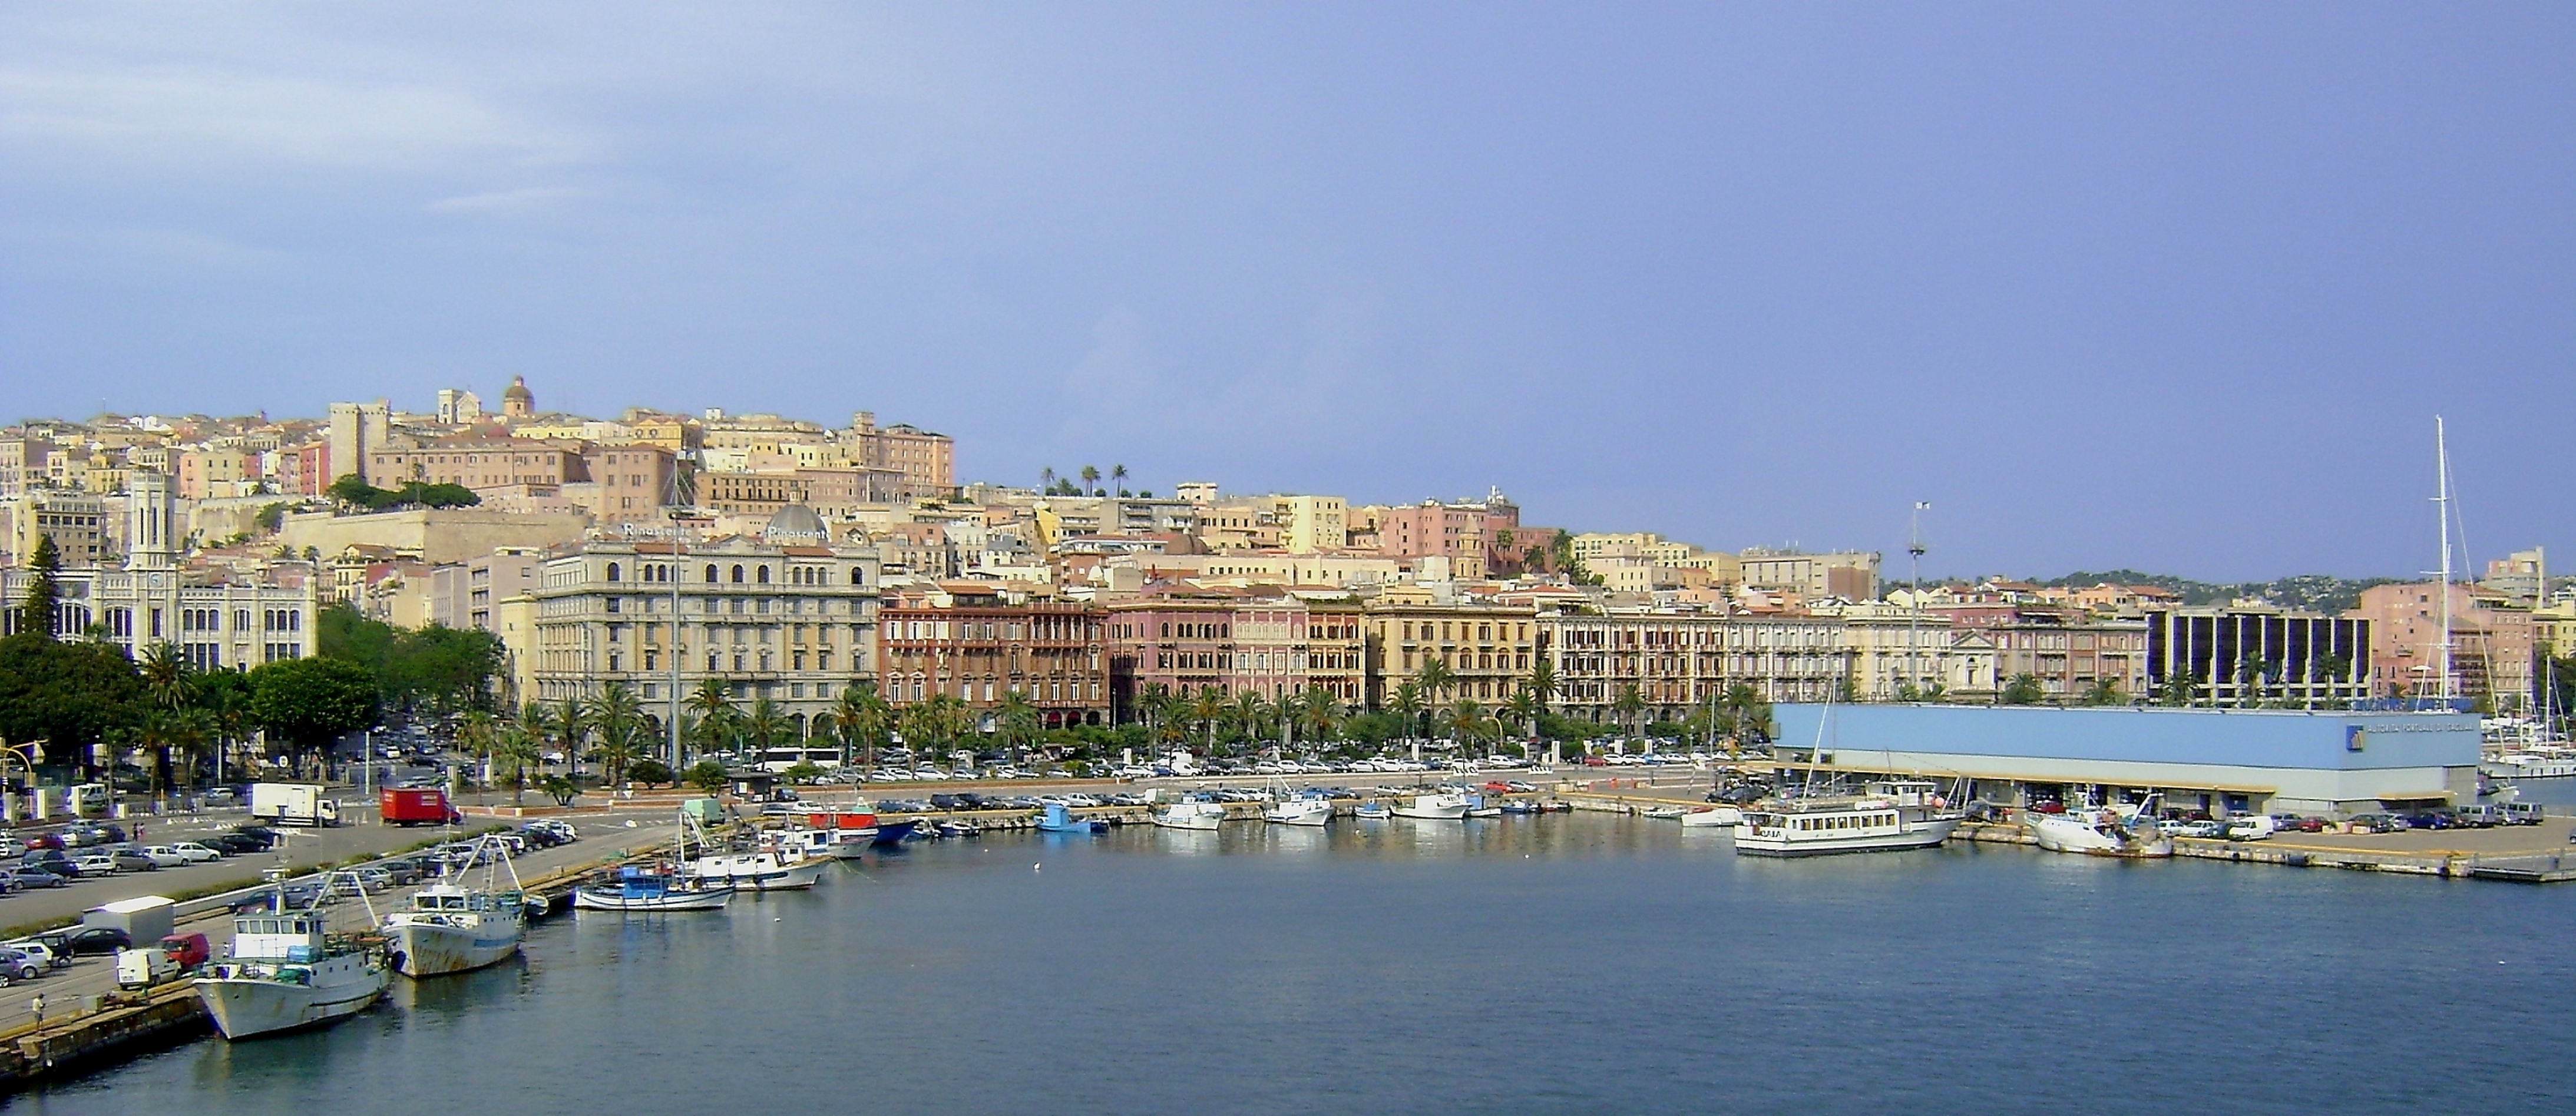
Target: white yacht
x=1887 y=817
x=1299 y=811
x=282 y=972
x=2101 y=831
x=1190 y=815
x=1727 y=816
x=1434 y=806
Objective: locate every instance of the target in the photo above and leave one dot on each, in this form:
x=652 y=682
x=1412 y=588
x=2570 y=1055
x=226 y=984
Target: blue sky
x=2176 y=287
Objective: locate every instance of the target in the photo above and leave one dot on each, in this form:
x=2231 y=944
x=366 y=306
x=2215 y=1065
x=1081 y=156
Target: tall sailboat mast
x=2442 y=501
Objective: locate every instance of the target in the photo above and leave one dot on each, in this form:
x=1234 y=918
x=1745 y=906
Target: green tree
x=1118 y=478
x=650 y=772
x=619 y=718
x=708 y=775
x=44 y=590
x=767 y=725
x=1629 y=705
x=1207 y=710
x=2180 y=690
x=225 y=696
x=560 y=788
x=515 y=757
x=2024 y=689
x=272 y=518
x=1017 y=723
x=2105 y=691
x=1406 y=705
x=715 y=727
x=1322 y=712
x=861 y=718
x=1091 y=480
x=308 y=703
x=1435 y=678
x=801 y=772
x=1524 y=709
x=935 y=723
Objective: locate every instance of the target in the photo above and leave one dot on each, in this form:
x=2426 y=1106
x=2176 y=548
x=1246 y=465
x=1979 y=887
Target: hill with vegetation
x=2324 y=593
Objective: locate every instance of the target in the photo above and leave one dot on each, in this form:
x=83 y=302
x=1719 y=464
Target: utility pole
x=1914 y=614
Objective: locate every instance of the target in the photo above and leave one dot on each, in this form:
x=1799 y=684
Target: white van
x=143 y=968
x=2252 y=827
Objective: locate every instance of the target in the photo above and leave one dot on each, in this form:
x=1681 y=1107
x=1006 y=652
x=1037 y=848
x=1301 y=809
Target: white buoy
x=1037 y=867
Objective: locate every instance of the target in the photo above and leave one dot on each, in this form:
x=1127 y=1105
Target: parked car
x=191 y=852
x=2432 y=819
x=27 y=877
x=44 y=952
x=131 y=859
x=45 y=841
x=189 y=950
x=16 y=965
x=233 y=844
x=96 y=864
x=2522 y=813
x=2480 y=816
x=89 y=941
x=163 y=856
x=2202 y=829
x=2377 y=823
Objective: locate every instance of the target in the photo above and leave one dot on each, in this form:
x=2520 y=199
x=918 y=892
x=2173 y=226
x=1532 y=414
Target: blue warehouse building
x=2225 y=760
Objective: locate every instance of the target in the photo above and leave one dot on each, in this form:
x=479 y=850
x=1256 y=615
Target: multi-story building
x=206 y=471
x=476 y=464
x=1848 y=575
x=965 y=639
x=215 y=619
x=1677 y=661
x=632 y=482
x=783 y=620
x=1271 y=644
x=2491 y=643
x=2519 y=576
x=1487 y=648
x=78 y=522
x=2244 y=656
x=1456 y=532
x=2070 y=659
x=1307 y=524
x=465 y=595
x=357 y=431
x=22 y=465
x=927 y=462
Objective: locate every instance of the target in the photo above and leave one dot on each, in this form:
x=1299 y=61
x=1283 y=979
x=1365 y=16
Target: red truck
x=416 y=807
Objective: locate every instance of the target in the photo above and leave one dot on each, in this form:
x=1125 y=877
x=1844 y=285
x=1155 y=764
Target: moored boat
x=2102 y=831
x=1890 y=816
x=767 y=870
x=1190 y=815
x=284 y=972
x=1299 y=811
x=646 y=891
x=1433 y=806
x=1060 y=818
x=453 y=927
x=1712 y=816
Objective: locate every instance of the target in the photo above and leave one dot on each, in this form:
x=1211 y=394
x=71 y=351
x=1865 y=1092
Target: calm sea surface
x=1557 y=964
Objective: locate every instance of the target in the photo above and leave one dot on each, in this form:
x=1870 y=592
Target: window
x=737 y=575
x=764 y=575
x=612 y=571
x=711 y=575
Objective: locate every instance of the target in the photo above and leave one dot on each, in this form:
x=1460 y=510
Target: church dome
x=796 y=525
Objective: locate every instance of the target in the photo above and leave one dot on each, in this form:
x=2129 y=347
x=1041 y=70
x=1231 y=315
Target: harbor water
x=1557 y=964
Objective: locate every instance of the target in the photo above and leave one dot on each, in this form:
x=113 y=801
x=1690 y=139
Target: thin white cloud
x=508 y=201
x=189 y=114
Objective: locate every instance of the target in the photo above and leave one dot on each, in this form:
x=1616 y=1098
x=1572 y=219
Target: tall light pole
x=1914 y=614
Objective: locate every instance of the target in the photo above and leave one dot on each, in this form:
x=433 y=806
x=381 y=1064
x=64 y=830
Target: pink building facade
x=2491 y=643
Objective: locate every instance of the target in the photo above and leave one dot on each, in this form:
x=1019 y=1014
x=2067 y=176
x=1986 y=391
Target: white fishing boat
x=1299 y=811
x=1433 y=806
x=284 y=972
x=848 y=832
x=1372 y=811
x=1889 y=816
x=766 y=870
x=453 y=927
x=642 y=891
x=1727 y=816
x=2102 y=831
x=1190 y=815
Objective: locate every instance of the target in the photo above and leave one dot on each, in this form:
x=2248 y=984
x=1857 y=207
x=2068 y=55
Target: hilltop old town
x=805 y=563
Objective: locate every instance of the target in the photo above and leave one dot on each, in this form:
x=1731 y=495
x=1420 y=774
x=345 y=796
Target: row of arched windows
x=743 y=575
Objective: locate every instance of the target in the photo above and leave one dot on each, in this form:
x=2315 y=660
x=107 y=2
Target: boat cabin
x=278 y=936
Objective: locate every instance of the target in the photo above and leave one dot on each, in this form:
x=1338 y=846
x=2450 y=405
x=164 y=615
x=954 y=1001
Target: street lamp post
x=1914 y=613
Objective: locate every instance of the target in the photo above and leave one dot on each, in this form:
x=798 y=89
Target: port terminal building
x=2227 y=761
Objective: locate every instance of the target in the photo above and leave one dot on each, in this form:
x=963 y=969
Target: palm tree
x=1543 y=684
x=167 y=686
x=1164 y=712
x=1435 y=678
x=1291 y=709
x=1467 y=723
x=1017 y=722
x=716 y=713
x=621 y=743
x=1525 y=709
x=1406 y=703
x=514 y=753
x=1090 y=480
x=767 y=724
x=1322 y=712
x=861 y=714
x=936 y=721
x=478 y=735
x=1630 y=706
x=1118 y=478
x=1249 y=714
x=1046 y=480
x=1206 y=710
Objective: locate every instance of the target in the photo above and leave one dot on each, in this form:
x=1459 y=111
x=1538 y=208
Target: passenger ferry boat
x=284 y=972
x=1888 y=816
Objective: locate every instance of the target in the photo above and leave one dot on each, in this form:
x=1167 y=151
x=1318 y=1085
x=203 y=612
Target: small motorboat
x=1299 y=811
x=1060 y=818
x=1663 y=813
x=1372 y=811
x=1434 y=806
x=1518 y=806
x=894 y=833
x=1191 y=815
x=1726 y=816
